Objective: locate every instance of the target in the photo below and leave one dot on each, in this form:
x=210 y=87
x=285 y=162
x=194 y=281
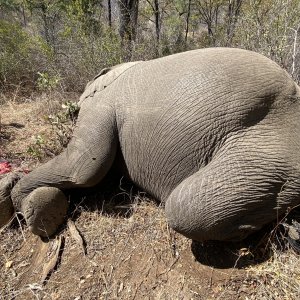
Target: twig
x=170 y=267
x=77 y=236
x=23 y=235
x=294 y=49
x=49 y=267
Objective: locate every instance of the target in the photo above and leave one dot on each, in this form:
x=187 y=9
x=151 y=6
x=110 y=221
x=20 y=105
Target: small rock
x=8 y=264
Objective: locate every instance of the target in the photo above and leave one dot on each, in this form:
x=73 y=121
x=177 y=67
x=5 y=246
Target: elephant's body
x=213 y=133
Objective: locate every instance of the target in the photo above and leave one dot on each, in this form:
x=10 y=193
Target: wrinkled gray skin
x=213 y=133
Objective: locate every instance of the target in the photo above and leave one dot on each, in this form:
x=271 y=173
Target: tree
x=271 y=28
x=87 y=12
x=187 y=21
x=209 y=13
x=233 y=12
x=48 y=14
x=13 y=9
x=109 y=13
x=128 y=10
x=157 y=20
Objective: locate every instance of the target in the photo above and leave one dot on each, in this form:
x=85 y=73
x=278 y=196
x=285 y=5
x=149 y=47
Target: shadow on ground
x=223 y=255
x=114 y=196
x=253 y=250
x=117 y=196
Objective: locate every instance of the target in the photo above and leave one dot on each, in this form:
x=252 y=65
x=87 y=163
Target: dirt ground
x=117 y=244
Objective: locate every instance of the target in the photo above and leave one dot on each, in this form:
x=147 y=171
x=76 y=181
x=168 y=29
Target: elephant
x=213 y=134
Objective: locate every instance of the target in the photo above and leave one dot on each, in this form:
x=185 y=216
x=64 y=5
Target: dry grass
x=131 y=252
x=134 y=257
x=23 y=122
x=279 y=277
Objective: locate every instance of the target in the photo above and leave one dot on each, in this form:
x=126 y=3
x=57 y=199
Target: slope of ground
x=122 y=247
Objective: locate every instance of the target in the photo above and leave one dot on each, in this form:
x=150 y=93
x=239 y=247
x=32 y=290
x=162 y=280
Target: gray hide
x=213 y=133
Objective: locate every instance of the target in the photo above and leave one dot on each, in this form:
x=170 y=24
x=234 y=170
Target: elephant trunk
x=6 y=205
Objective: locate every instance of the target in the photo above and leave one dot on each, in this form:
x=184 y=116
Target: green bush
x=81 y=56
x=15 y=55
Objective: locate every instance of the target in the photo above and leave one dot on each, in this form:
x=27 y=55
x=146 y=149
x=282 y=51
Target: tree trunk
x=234 y=8
x=187 y=22
x=45 y=23
x=109 y=13
x=23 y=15
x=128 y=19
x=157 y=25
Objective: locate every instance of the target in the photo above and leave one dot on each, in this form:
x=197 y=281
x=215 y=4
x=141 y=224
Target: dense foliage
x=56 y=44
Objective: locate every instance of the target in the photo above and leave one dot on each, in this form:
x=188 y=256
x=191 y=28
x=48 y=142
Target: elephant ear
x=104 y=79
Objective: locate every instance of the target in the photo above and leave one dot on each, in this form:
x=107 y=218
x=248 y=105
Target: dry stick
x=23 y=235
x=278 y=223
x=211 y=278
x=170 y=267
x=294 y=48
x=75 y=234
x=52 y=263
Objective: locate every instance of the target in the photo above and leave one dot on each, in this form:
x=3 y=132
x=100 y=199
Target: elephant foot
x=44 y=210
x=6 y=205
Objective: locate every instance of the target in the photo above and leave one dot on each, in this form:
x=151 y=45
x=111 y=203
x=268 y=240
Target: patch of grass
x=44 y=126
x=279 y=277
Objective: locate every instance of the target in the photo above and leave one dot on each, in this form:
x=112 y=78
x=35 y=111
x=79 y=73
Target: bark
x=109 y=13
x=234 y=9
x=128 y=19
x=187 y=22
x=23 y=15
x=209 y=14
x=157 y=16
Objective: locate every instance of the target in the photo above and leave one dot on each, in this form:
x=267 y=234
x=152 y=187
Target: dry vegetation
x=129 y=251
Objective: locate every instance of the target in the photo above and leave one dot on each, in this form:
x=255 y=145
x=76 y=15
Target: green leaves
x=47 y=82
x=15 y=51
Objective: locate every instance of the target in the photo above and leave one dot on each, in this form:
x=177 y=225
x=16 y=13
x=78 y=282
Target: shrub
x=17 y=53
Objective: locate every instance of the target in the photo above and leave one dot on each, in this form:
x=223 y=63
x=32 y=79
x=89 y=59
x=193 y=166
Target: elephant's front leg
x=84 y=163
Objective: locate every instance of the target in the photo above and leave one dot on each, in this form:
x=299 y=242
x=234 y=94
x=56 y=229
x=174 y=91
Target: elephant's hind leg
x=234 y=195
x=84 y=163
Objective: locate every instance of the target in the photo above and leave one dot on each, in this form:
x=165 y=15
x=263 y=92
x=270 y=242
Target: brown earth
x=122 y=247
